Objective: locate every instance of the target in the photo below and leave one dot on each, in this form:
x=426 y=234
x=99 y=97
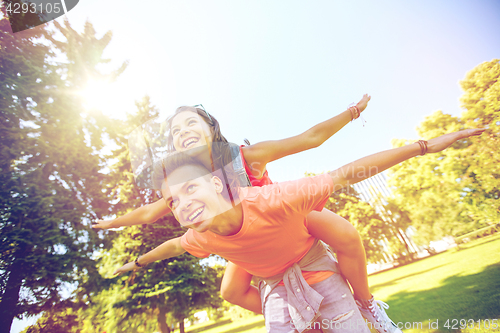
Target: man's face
x=194 y=202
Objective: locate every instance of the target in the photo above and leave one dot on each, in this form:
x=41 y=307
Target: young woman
x=193 y=127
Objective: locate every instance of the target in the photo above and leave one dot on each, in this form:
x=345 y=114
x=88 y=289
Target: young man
x=264 y=230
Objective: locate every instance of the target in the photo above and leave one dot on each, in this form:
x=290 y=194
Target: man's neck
x=228 y=223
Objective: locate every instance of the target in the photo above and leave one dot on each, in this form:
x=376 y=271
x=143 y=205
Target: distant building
x=374 y=191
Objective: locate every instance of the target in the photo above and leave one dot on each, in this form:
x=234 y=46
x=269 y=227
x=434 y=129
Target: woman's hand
x=103 y=224
x=444 y=141
x=362 y=104
x=125 y=268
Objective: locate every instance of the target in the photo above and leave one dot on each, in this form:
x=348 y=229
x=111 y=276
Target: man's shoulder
x=302 y=186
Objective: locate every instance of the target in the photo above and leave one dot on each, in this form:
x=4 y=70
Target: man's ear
x=219 y=186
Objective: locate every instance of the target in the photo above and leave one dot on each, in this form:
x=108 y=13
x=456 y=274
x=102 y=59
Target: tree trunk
x=8 y=305
x=162 y=320
x=181 y=326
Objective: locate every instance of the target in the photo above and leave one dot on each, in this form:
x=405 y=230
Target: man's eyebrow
x=184 y=186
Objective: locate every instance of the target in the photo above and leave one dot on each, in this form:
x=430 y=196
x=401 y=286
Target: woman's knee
x=229 y=293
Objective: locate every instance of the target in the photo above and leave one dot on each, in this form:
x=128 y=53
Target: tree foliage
x=50 y=184
x=481 y=103
x=53 y=185
x=429 y=187
x=456 y=190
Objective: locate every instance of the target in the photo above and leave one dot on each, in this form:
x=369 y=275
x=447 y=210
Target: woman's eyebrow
x=185 y=120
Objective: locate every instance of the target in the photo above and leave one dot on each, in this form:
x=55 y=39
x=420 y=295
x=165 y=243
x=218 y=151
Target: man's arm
x=169 y=249
x=143 y=215
x=371 y=165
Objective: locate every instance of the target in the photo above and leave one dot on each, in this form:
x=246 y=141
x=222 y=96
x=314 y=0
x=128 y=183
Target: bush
x=478 y=233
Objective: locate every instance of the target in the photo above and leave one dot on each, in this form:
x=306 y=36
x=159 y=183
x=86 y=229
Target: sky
x=268 y=70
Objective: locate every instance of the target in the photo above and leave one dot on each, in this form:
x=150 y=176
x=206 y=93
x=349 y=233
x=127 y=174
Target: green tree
x=457 y=190
x=436 y=189
x=481 y=103
x=430 y=187
x=399 y=221
x=59 y=319
x=50 y=184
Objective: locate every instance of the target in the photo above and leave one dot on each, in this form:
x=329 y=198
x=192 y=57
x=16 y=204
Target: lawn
x=457 y=284
x=462 y=284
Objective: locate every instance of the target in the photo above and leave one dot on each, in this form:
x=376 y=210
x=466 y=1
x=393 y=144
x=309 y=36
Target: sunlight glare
x=99 y=95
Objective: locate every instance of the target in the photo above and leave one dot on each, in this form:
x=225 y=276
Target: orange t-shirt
x=274 y=234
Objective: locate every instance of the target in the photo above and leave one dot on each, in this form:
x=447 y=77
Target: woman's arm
x=142 y=215
x=371 y=165
x=259 y=154
x=169 y=249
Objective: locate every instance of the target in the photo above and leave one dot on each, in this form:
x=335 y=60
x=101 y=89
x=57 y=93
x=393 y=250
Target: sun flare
x=96 y=94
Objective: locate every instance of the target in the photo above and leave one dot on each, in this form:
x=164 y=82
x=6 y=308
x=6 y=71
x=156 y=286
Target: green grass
x=457 y=284
x=254 y=324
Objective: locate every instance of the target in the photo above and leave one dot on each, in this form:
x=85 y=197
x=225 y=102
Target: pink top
x=264 y=180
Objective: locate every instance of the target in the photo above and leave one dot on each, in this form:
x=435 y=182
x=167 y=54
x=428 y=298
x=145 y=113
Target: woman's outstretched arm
x=142 y=215
x=258 y=155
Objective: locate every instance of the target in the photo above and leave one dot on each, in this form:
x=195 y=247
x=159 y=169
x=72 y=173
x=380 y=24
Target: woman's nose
x=184 y=131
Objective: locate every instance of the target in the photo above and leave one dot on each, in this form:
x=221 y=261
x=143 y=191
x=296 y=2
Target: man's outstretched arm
x=371 y=165
x=168 y=249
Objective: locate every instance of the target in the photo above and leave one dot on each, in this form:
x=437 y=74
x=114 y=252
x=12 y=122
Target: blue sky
x=272 y=69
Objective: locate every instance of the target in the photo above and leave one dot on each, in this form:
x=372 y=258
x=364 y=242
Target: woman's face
x=189 y=130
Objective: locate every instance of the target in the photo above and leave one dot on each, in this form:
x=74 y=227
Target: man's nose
x=185 y=204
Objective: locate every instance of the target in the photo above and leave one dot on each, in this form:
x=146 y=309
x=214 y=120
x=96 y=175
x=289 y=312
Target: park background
x=266 y=70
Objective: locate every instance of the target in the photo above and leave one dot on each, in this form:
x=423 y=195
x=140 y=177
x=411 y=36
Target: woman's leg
x=344 y=238
x=337 y=232
x=236 y=289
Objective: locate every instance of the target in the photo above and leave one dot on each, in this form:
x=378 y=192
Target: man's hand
x=444 y=141
x=125 y=268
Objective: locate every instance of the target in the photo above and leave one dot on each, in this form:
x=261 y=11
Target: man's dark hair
x=166 y=166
